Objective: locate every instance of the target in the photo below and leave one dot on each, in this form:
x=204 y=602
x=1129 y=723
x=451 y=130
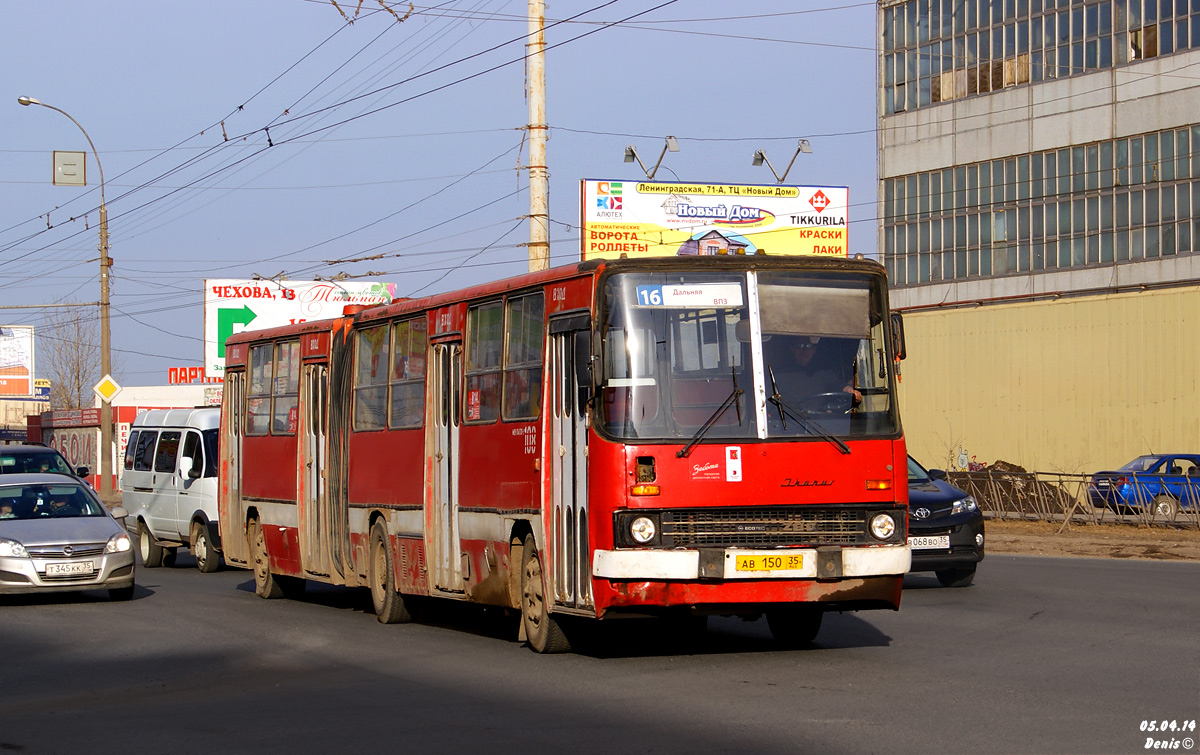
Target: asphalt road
x=1041 y=655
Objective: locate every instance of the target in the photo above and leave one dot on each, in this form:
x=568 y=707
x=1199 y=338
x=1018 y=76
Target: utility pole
x=539 y=189
x=106 y=426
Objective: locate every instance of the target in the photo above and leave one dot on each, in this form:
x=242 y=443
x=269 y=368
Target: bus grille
x=757 y=527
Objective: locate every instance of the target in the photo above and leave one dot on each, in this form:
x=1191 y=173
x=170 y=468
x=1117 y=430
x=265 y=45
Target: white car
x=56 y=536
x=169 y=485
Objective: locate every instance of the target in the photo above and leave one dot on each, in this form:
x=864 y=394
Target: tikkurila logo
x=819 y=201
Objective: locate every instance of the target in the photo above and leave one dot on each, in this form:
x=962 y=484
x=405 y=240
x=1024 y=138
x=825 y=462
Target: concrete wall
x=1073 y=385
x=1134 y=99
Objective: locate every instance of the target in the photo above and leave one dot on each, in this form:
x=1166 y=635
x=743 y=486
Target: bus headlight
x=883 y=526
x=643 y=530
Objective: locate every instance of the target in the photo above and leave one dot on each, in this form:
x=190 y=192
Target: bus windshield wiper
x=811 y=426
x=732 y=399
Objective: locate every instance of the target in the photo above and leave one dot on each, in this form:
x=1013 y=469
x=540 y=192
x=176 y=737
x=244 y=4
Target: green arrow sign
x=226 y=319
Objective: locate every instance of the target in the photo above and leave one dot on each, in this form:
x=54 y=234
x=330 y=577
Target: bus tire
x=265 y=585
x=956 y=577
x=150 y=551
x=207 y=560
x=542 y=630
x=389 y=604
x=795 y=626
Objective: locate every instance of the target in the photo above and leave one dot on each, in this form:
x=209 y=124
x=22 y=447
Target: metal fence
x=1054 y=497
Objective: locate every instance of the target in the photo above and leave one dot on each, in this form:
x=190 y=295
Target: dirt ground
x=1094 y=540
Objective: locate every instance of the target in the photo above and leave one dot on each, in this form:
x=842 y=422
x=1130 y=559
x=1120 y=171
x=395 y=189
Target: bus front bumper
x=831 y=562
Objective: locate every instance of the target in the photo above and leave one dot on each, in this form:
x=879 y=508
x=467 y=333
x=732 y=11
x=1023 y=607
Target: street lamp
x=106 y=488
x=760 y=157
x=631 y=155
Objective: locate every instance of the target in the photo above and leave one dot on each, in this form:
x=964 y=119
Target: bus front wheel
x=795 y=626
x=541 y=629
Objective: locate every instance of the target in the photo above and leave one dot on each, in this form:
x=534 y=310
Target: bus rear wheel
x=389 y=604
x=265 y=585
x=541 y=629
x=795 y=626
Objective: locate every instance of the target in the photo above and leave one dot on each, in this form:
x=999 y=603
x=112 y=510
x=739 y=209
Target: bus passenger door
x=571 y=550
x=229 y=474
x=314 y=499
x=447 y=376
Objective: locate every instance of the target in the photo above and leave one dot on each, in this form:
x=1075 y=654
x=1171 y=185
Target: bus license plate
x=78 y=568
x=788 y=562
x=929 y=542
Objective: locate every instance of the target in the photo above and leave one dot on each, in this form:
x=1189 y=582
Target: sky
x=290 y=139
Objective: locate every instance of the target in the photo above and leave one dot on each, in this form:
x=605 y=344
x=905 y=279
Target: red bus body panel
x=505 y=487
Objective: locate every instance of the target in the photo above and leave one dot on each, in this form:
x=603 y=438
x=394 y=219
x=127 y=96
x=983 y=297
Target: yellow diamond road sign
x=106 y=389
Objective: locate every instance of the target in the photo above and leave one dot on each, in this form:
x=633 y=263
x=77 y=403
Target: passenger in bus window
x=812 y=366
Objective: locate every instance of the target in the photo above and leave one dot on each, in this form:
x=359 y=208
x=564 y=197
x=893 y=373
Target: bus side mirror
x=899 y=350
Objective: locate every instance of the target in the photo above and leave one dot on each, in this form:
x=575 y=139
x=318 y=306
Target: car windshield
x=1143 y=464
x=916 y=472
x=42 y=501
x=36 y=461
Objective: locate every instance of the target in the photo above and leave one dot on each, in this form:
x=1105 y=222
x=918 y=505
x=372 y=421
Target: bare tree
x=68 y=352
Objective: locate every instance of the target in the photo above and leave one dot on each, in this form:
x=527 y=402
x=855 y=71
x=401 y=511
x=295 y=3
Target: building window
x=936 y=51
x=1086 y=205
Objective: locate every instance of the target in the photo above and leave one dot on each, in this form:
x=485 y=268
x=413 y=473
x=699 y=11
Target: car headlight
x=883 y=526
x=964 y=505
x=11 y=549
x=118 y=543
x=642 y=529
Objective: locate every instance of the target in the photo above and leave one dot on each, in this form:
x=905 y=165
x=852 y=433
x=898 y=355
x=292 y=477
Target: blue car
x=1156 y=483
x=945 y=527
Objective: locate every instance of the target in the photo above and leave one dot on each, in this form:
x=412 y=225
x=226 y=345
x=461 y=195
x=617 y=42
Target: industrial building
x=1039 y=197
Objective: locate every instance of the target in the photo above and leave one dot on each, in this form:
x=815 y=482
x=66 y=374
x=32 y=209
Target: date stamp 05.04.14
x=1169 y=734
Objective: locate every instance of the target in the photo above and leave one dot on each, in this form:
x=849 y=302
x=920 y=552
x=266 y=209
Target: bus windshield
x=785 y=354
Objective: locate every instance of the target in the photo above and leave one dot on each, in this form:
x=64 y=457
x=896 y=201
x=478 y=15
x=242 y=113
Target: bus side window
x=525 y=322
x=143 y=460
x=192 y=450
x=485 y=336
x=130 y=445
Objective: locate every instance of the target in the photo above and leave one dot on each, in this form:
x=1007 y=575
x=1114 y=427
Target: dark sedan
x=945 y=527
x=1157 y=483
x=31 y=459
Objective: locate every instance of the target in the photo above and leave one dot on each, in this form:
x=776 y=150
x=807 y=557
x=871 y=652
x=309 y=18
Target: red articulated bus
x=649 y=437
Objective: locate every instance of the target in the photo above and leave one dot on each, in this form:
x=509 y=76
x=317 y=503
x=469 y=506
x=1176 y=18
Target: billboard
x=662 y=219
x=16 y=360
x=232 y=306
